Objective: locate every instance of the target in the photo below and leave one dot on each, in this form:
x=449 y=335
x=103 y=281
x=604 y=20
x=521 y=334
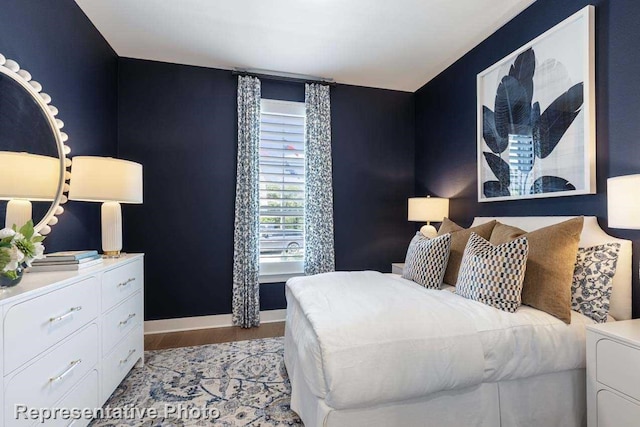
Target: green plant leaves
x=26 y=241
x=6 y=242
x=27 y=230
x=13 y=275
x=5 y=258
x=26 y=247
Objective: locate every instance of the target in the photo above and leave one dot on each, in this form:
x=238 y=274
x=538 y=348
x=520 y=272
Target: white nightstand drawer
x=48 y=379
x=397 y=267
x=36 y=324
x=120 y=283
x=614 y=411
x=119 y=321
x=617 y=367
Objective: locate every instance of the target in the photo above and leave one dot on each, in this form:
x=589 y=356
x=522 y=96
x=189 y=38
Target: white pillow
x=493 y=275
x=427 y=260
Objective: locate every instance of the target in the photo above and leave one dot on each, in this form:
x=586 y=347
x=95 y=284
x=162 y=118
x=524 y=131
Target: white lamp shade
x=104 y=179
x=29 y=176
x=623 y=202
x=428 y=209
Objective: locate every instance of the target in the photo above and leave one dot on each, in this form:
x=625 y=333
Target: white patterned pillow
x=426 y=260
x=419 y=236
x=493 y=275
x=412 y=244
x=592 y=280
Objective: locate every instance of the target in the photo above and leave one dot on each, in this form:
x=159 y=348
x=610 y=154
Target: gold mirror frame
x=12 y=69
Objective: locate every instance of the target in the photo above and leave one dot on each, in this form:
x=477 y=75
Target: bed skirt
x=550 y=400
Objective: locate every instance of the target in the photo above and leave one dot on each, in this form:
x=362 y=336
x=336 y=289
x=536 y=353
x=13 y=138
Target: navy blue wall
x=180 y=123
x=446 y=116
x=63 y=51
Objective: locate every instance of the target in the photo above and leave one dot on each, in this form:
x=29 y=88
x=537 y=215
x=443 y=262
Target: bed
x=373 y=349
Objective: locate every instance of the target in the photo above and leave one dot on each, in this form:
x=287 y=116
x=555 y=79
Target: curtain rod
x=282 y=76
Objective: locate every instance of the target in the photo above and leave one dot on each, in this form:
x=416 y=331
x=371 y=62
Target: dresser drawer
x=51 y=377
x=614 y=362
x=84 y=395
x=615 y=411
x=121 y=320
x=119 y=362
x=120 y=283
x=33 y=326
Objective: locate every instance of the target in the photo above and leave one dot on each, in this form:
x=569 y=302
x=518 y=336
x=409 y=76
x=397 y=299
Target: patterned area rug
x=245 y=381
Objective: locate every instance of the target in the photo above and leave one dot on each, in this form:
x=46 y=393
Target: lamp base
x=429 y=231
x=18 y=213
x=111 y=254
x=111 y=229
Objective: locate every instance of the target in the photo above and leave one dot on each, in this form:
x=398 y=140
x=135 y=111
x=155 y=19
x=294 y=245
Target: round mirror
x=32 y=154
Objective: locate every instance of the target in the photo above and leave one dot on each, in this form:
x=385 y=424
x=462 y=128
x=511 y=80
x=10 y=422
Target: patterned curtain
x=246 y=257
x=319 y=255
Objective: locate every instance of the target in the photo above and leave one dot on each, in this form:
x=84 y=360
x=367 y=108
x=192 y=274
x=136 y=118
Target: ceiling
x=392 y=44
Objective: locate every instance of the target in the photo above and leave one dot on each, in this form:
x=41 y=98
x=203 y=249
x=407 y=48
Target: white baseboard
x=205 y=322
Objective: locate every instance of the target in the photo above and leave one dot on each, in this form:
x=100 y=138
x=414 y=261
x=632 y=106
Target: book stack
x=66 y=261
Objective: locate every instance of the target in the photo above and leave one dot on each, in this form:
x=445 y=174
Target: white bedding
x=366 y=338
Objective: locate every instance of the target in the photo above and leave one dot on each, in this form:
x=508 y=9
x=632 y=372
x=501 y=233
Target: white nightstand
x=397 y=267
x=613 y=374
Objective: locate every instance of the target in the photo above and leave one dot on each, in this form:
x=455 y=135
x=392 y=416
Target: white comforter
x=366 y=338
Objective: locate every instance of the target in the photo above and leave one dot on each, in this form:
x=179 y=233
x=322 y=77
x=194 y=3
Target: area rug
x=240 y=383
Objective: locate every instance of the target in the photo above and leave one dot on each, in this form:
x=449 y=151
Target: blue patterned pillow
x=592 y=280
x=427 y=260
x=493 y=275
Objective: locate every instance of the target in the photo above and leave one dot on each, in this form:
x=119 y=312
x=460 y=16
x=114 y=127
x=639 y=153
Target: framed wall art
x=536 y=116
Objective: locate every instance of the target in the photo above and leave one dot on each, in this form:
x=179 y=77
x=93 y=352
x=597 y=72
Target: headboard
x=592 y=235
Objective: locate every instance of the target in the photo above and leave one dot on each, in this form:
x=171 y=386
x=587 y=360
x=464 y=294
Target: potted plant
x=18 y=249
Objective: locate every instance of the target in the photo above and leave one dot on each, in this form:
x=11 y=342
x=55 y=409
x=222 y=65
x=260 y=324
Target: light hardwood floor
x=211 y=336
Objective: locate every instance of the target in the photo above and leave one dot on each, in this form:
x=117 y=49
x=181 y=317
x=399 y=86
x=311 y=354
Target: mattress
x=512 y=346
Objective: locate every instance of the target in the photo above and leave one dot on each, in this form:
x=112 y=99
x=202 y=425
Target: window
x=281 y=189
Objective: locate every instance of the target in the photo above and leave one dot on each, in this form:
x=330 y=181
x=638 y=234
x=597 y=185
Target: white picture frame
x=525 y=149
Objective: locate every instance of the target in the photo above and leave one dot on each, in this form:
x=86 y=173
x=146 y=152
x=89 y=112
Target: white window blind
x=282 y=179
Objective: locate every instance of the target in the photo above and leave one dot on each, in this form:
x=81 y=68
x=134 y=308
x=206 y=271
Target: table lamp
x=111 y=181
x=24 y=178
x=427 y=209
x=623 y=202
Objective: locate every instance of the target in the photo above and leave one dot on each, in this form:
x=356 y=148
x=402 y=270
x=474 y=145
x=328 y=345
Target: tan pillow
x=550 y=265
x=459 y=238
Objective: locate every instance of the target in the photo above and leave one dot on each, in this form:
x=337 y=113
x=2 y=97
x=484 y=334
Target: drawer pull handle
x=125 y=321
x=126 y=282
x=71 y=367
x=67 y=314
x=126 y=359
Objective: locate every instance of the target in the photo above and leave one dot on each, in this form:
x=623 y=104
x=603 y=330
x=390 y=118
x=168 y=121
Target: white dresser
x=67 y=339
x=613 y=374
